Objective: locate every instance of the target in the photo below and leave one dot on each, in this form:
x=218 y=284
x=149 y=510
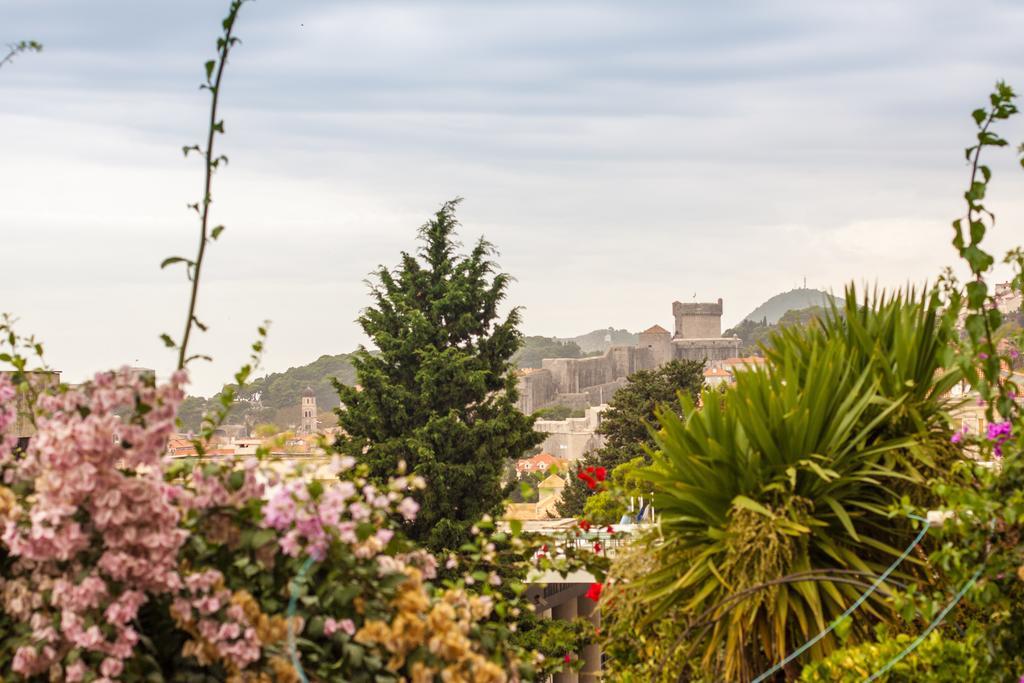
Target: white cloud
x=620 y=156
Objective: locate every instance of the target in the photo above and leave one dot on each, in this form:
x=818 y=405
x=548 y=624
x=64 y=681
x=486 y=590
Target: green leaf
x=977 y=191
x=748 y=504
x=168 y=342
x=979 y=116
x=209 y=69
x=977 y=292
x=263 y=537
x=215 y=233
x=174 y=259
x=843 y=516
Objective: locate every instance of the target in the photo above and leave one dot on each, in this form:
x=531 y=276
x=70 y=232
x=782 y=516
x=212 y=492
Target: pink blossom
x=99 y=504
x=111 y=668
x=74 y=673
x=408 y=509
x=345 y=626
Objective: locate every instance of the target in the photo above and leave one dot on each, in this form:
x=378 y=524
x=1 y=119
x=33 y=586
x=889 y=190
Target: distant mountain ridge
x=603 y=339
x=793 y=300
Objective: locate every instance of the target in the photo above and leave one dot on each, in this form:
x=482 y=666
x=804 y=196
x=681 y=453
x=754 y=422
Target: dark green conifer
x=440 y=392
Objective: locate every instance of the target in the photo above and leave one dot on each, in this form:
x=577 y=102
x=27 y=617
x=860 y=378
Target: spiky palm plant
x=905 y=340
x=775 y=498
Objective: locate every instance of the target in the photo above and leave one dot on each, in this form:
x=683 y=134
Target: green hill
x=275 y=398
x=754 y=333
x=536 y=349
x=601 y=340
x=794 y=300
x=284 y=389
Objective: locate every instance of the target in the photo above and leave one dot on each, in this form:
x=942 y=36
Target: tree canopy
x=536 y=349
x=439 y=395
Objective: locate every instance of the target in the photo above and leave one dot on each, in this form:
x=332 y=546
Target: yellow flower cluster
x=270 y=630
x=435 y=633
x=9 y=508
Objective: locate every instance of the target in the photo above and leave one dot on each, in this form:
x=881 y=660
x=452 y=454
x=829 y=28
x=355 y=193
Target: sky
x=621 y=155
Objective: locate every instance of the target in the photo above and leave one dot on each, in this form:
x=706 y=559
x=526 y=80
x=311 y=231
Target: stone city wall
x=536 y=390
x=711 y=350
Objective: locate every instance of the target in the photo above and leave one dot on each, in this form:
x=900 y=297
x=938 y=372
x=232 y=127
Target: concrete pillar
x=567 y=612
x=591 y=671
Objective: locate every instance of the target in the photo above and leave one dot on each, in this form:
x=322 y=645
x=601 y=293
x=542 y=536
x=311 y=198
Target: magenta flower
x=999 y=433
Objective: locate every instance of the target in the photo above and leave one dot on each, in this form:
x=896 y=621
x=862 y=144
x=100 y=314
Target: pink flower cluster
x=99 y=533
x=999 y=433
x=311 y=523
x=346 y=626
x=8 y=414
x=206 y=606
x=216 y=490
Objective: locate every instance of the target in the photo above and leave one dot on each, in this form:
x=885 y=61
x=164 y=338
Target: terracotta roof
x=716 y=372
x=655 y=329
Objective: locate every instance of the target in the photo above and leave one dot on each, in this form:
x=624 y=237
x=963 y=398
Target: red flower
x=597 y=546
x=594 y=592
x=610 y=529
x=568 y=658
x=600 y=473
x=585 y=476
x=584 y=524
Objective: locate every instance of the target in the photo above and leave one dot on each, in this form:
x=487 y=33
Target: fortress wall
x=573 y=375
x=602 y=393
x=582 y=382
x=649 y=359
x=563 y=373
x=623 y=360
x=712 y=350
x=594 y=371
x=536 y=389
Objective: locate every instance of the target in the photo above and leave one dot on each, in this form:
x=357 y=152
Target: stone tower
x=657 y=341
x=698 y=321
x=308 y=423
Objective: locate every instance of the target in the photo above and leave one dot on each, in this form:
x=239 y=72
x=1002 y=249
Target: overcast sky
x=620 y=154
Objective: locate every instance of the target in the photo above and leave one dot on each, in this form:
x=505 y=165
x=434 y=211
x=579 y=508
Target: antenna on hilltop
x=805 y=282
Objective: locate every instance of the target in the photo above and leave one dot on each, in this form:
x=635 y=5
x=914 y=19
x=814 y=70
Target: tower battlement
x=698 y=320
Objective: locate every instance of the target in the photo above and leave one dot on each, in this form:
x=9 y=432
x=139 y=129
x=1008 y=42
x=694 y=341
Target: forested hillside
x=794 y=300
x=274 y=399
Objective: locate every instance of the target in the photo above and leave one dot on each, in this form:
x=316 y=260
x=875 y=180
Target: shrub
x=939 y=659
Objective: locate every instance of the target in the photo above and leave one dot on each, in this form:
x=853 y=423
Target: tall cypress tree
x=440 y=392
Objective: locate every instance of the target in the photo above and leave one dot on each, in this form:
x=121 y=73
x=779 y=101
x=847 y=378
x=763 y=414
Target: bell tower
x=308 y=414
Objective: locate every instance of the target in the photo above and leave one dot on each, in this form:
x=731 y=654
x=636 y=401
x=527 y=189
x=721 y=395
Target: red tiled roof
x=716 y=372
x=655 y=329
